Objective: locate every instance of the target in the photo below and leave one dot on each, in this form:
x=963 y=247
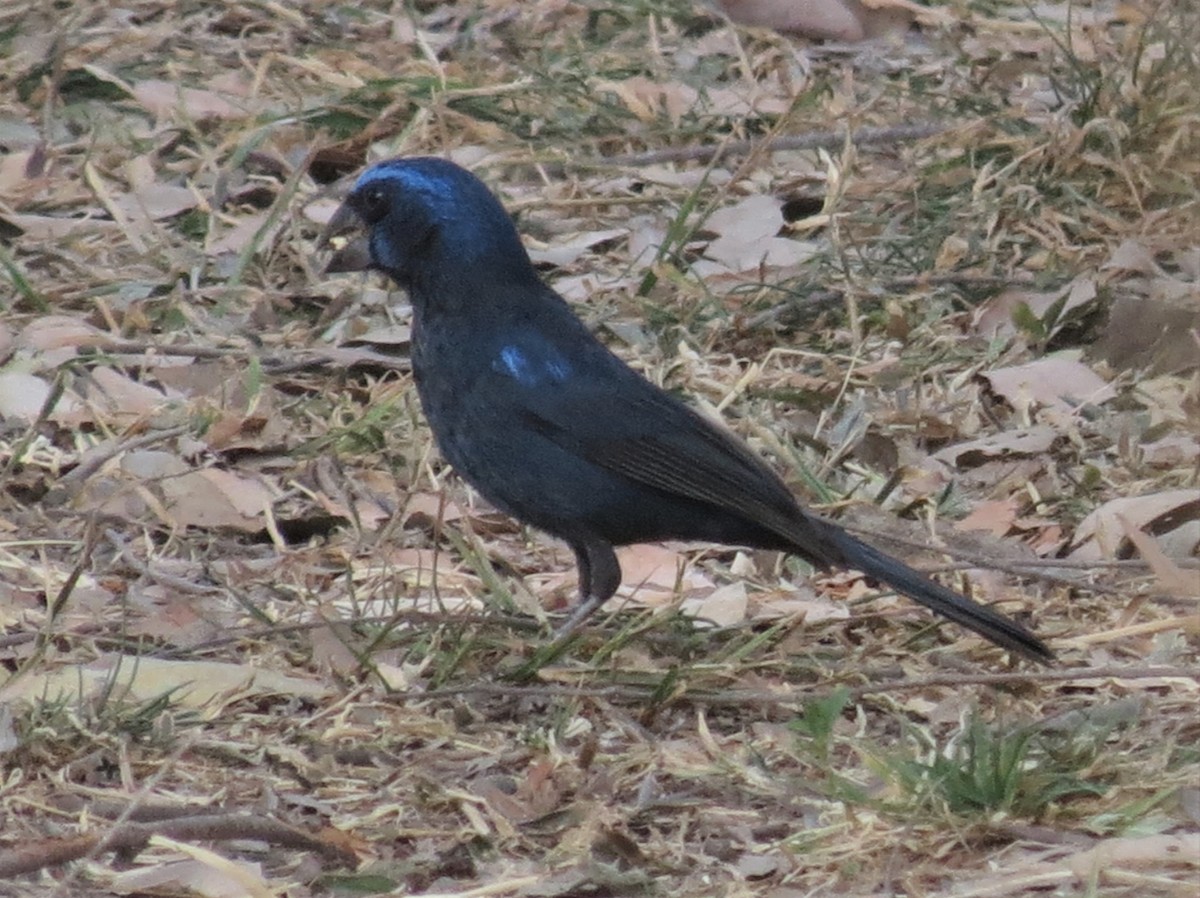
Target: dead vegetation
x=255 y=637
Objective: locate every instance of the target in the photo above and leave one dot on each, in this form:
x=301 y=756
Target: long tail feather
x=987 y=623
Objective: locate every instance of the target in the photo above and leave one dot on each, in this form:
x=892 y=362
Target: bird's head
x=423 y=221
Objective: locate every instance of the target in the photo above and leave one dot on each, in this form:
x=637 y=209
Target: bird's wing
x=633 y=429
x=576 y=393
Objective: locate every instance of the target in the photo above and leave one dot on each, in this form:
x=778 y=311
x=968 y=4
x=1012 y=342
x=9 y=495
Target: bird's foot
x=579 y=616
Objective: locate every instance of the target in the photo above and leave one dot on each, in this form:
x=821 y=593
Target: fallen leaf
x=1056 y=381
x=996 y=517
x=1132 y=255
x=165 y=98
x=1102 y=534
x=723 y=607
x=564 y=253
x=839 y=20
x=52 y=332
x=1171 y=577
x=747 y=239
x=191 y=877
x=652 y=573
x=649 y=98
x=996 y=317
x=242 y=234
x=156 y=202
x=1032 y=441
x=122 y=397
x=215 y=498
x=1125 y=852
x=205 y=686
x=22 y=396
x=48 y=228
x=1157 y=333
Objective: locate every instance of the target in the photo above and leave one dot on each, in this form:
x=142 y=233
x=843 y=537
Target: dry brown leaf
x=425 y=508
x=1172 y=452
x=723 y=607
x=996 y=517
x=747 y=239
x=1159 y=332
x=1102 y=533
x=757 y=866
x=159 y=482
x=166 y=98
x=156 y=202
x=21 y=174
x=114 y=397
x=48 y=228
x=1059 y=382
x=802 y=602
x=1029 y=442
x=651 y=573
x=366 y=512
x=1133 y=255
x=22 y=397
x=171 y=617
x=190 y=877
x=841 y=20
x=391 y=335
x=647 y=98
x=580 y=288
x=51 y=332
x=204 y=686
x=995 y=318
x=1173 y=579
x=563 y=253
x=741 y=102
x=320 y=210
x=1112 y=861
x=237 y=238
x=1122 y=853
x=215 y=498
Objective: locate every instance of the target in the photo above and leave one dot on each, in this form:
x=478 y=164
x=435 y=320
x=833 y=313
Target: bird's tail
x=987 y=623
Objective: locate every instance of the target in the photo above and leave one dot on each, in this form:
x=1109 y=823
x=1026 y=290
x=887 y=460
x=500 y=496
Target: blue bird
x=553 y=428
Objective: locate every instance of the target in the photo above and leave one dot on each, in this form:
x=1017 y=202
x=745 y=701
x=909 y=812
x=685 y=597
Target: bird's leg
x=599 y=577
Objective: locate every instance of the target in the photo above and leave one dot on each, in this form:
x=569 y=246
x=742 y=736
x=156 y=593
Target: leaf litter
x=239 y=591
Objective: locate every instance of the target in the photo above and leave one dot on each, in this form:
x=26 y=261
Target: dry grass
x=255 y=637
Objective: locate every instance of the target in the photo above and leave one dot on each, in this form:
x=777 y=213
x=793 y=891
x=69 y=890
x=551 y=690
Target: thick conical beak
x=346 y=236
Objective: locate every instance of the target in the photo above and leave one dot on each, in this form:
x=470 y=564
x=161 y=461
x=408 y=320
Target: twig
x=178 y=583
x=133 y=837
x=275 y=363
x=168 y=350
x=829 y=140
x=112 y=809
x=816 y=296
x=101 y=841
x=94 y=459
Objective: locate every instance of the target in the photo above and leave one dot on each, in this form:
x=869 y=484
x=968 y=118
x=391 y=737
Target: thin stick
x=829 y=140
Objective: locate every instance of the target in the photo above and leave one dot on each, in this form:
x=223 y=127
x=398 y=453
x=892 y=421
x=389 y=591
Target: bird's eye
x=372 y=204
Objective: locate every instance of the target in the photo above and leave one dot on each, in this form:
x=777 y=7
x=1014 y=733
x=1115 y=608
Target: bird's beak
x=346 y=235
